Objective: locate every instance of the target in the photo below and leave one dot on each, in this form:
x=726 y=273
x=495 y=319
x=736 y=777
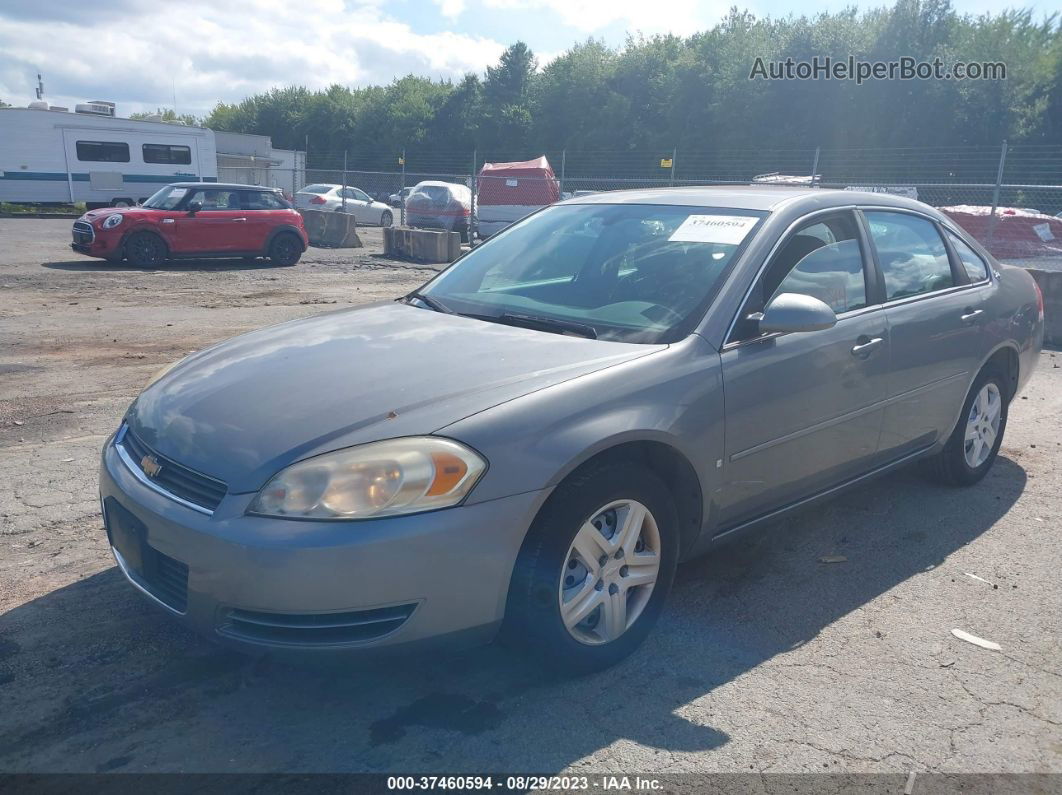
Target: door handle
x=971 y=315
x=238 y=220
x=866 y=346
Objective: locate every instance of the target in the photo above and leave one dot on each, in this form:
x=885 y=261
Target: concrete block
x=331 y=229
x=423 y=245
x=1051 y=286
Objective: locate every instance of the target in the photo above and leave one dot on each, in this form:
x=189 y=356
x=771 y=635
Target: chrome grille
x=173 y=479
x=83 y=233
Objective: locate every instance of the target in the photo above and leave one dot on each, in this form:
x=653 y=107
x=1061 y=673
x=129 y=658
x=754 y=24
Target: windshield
x=166 y=199
x=629 y=272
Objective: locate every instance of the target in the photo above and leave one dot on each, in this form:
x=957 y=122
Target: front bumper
x=95 y=244
x=263 y=584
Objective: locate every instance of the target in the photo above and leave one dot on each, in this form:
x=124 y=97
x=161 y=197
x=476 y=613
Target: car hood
x=133 y=212
x=244 y=409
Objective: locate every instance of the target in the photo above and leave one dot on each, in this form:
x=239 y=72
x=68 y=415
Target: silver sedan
x=531 y=442
x=353 y=201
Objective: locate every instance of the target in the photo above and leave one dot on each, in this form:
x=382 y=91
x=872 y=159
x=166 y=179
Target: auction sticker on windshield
x=727 y=229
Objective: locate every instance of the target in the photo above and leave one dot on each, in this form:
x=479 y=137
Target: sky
x=194 y=53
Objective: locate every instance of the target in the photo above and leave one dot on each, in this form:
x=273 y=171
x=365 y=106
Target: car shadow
x=93 y=678
x=103 y=266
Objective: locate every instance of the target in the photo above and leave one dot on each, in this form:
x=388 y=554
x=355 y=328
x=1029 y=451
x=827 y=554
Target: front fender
x=673 y=397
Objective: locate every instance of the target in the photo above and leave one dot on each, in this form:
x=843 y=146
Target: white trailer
x=55 y=157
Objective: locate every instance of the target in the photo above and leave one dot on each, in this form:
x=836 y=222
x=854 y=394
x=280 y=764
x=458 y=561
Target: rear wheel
x=285 y=250
x=386 y=219
x=974 y=444
x=593 y=574
x=145 y=250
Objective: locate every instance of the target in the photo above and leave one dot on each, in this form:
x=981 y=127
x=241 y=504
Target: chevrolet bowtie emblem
x=151 y=466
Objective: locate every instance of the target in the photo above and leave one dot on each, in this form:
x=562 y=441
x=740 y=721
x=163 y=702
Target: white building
x=252 y=160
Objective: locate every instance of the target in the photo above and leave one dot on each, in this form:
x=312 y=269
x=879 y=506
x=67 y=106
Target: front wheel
x=595 y=569
x=145 y=250
x=285 y=250
x=974 y=444
x=386 y=219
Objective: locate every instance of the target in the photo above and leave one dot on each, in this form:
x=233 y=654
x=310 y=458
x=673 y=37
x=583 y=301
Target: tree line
x=694 y=93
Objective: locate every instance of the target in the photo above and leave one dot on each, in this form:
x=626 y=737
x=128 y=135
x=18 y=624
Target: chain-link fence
x=1006 y=196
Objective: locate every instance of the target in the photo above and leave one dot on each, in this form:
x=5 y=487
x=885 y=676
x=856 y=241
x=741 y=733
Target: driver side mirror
x=794 y=313
x=194 y=207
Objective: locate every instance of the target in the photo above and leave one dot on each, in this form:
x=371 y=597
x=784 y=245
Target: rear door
x=221 y=226
x=804 y=411
x=937 y=321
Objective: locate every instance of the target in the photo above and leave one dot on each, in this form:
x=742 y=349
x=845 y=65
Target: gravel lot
x=766 y=659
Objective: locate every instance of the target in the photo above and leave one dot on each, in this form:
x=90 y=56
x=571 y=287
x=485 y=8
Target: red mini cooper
x=195 y=220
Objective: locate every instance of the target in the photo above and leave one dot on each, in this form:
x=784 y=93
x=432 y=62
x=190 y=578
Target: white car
x=365 y=210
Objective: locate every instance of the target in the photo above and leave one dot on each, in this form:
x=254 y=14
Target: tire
x=550 y=570
x=386 y=218
x=463 y=231
x=285 y=250
x=964 y=462
x=145 y=250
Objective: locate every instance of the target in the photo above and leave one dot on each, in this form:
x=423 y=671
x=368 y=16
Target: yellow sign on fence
x=665 y=162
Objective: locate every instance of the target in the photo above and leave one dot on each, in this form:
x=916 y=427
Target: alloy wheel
x=285 y=250
x=982 y=425
x=609 y=572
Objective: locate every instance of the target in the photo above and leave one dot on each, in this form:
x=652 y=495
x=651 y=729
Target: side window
x=217 y=199
x=822 y=259
x=360 y=195
x=102 y=151
x=975 y=266
x=263 y=200
x=911 y=254
x=833 y=274
x=167 y=153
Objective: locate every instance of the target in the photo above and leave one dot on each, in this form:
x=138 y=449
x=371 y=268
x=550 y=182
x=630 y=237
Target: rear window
x=436 y=194
x=316 y=189
x=263 y=200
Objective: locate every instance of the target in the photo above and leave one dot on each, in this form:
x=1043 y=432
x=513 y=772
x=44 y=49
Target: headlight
x=397 y=476
x=112 y=221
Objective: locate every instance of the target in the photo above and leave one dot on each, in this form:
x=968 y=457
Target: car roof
x=222 y=186
x=745 y=197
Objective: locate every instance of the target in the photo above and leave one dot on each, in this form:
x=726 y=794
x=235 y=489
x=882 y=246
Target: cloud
x=450 y=8
x=682 y=17
x=207 y=51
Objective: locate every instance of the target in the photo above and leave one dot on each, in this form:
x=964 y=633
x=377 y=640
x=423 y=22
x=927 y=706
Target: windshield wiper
x=548 y=324
x=430 y=302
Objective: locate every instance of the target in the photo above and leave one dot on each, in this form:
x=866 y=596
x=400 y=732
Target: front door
x=804 y=410
x=220 y=226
